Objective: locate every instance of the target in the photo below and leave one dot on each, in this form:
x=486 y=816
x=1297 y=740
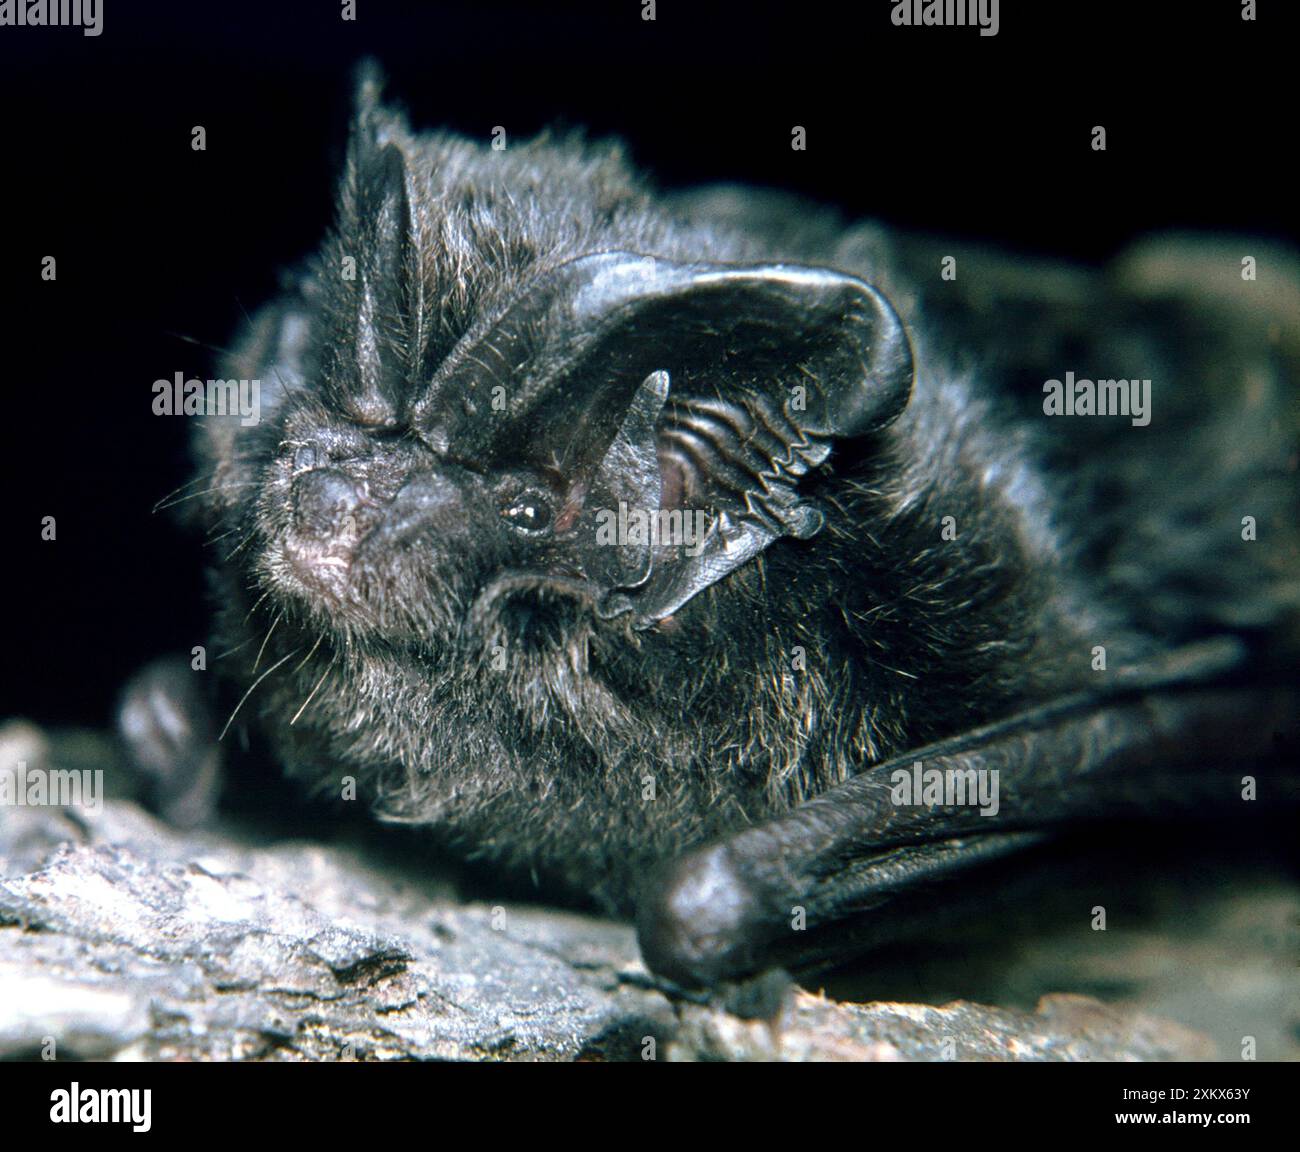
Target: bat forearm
x=722 y=909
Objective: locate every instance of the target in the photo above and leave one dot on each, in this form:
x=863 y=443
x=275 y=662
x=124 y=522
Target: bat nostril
x=321 y=499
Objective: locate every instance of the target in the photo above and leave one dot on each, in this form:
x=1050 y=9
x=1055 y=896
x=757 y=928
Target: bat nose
x=321 y=499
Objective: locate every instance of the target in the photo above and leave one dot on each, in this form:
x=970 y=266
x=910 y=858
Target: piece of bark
x=121 y=937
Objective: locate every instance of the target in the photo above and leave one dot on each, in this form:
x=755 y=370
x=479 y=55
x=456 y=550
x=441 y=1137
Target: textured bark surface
x=123 y=938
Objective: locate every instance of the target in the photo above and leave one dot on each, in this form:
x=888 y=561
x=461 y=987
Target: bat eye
x=529 y=512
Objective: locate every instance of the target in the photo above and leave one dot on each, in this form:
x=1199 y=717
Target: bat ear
x=374 y=282
x=752 y=371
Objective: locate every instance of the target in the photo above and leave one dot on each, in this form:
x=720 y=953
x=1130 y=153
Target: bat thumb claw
x=698 y=922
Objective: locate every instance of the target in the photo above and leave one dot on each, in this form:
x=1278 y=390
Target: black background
x=161 y=249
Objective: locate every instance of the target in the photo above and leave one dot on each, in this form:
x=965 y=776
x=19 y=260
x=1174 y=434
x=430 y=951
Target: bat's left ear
x=729 y=382
x=768 y=366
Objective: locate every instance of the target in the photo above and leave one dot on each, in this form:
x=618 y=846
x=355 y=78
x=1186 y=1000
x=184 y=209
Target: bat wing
x=1178 y=740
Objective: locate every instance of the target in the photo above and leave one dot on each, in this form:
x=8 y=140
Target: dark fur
x=1128 y=539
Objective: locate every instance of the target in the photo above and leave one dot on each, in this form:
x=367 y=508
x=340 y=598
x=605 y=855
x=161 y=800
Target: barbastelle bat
x=502 y=362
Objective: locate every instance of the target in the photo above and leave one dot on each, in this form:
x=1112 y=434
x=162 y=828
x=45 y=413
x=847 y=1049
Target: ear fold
x=628 y=476
x=767 y=364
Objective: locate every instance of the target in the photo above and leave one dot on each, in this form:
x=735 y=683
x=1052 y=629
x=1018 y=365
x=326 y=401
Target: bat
x=728 y=566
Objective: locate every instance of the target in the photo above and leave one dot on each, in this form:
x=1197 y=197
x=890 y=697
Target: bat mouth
x=538 y=610
x=320 y=571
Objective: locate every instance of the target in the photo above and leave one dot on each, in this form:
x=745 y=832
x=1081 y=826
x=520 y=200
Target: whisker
x=162 y=506
x=232 y=651
x=240 y=546
x=217 y=539
x=253 y=688
x=312 y=695
x=257 y=603
x=310 y=654
x=181 y=488
x=198 y=343
x=266 y=640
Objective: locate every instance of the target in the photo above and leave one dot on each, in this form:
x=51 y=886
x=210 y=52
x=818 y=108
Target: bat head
x=600 y=435
x=516 y=422
x=509 y=534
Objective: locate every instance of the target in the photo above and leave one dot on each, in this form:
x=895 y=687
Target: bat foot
x=165 y=724
x=761 y=997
